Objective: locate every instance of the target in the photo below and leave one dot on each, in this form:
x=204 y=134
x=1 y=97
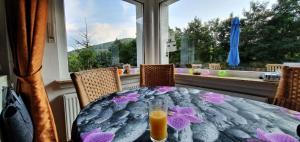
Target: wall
x=164 y=32
x=55 y=64
x=139 y=33
x=55 y=92
x=151 y=31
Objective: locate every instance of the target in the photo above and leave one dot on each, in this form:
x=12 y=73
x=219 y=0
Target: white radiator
x=72 y=108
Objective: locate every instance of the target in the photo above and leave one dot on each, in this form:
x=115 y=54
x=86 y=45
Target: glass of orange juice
x=158 y=121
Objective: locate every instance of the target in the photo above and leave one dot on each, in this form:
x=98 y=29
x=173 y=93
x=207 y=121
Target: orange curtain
x=26 y=24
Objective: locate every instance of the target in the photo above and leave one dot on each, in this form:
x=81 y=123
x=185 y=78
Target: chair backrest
x=96 y=83
x=273 y=67
x=214 y=66
x=288 y=91
x=157 y=75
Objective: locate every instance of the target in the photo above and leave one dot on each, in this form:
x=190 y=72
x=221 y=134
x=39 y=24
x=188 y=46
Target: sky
x=185 y=11
x=106 y=20
x=111 y=19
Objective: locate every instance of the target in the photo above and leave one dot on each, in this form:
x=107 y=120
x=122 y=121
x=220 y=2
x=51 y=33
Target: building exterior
x=187 y=51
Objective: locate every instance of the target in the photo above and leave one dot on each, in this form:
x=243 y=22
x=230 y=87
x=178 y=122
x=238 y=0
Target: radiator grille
x=72 y=108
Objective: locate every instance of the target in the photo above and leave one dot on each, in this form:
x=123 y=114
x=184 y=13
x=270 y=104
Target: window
x=198 y=32
x=103 y=33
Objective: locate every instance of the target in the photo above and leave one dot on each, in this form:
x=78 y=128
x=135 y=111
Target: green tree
x=270 y=35
x=83 y=57
x=220 y=31
x=104 y=59
x=200 y=37
x=174 y=57
x=283 y=31
x=251 y=47
x=87 y=59
x=115 y=50
x=128 y=53
x=74 y=64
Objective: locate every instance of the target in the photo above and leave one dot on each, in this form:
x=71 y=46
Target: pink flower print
x=274 y=137
x=164 y=89
x=97 y=135
x=133 y=97
x=214 y=98
x=180 y=117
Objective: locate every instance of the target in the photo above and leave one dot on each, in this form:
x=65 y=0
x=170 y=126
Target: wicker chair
x=273 y=67
x=94 y=84
x=214 y=66
x=157 y=75
x=288 y=91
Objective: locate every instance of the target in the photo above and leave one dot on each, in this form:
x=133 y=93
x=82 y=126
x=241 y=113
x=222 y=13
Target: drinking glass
x=158 y=120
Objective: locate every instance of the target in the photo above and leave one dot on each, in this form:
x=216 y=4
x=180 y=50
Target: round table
x=225 y=118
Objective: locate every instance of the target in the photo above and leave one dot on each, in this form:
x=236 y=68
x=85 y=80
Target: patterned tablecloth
x=223 y=118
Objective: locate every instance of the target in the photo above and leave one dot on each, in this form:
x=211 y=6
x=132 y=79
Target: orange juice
x=158 y=124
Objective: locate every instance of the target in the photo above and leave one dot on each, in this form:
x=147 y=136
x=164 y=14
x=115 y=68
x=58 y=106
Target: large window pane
x=198 y=32
x=103 y=33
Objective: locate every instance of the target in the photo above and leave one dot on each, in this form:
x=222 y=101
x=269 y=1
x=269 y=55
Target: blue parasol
x=233 y=56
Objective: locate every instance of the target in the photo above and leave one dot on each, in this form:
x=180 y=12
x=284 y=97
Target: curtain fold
x=26 y=26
